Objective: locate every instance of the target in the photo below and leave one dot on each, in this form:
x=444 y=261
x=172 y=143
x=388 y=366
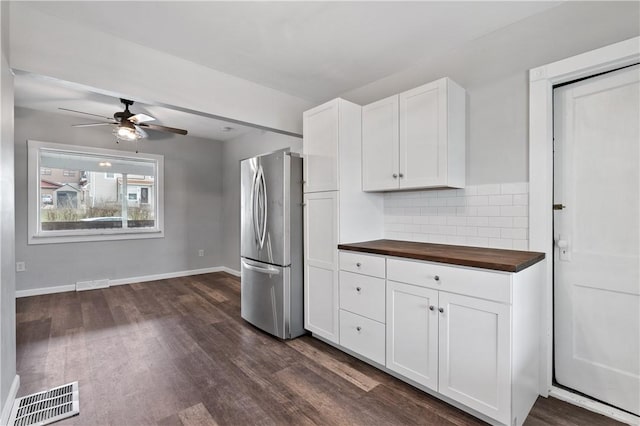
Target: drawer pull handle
x=431 y=308
x=358 y=289
x=441 y=310
x=437 y=278
x=358 y=328
x=358 y=264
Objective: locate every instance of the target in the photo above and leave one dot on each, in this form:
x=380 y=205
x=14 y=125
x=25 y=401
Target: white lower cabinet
x=412 y=332
x=474 y=354
x=479 y=352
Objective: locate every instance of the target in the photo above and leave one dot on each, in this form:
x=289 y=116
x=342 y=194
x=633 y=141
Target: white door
x=423 y=136
x=380 y=145
x=412 y=332
x=321 y=264
x=320 y=147
x=474 y=354
x=596 y=262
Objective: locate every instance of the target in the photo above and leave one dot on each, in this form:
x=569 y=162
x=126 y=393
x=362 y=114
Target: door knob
x=562 y=243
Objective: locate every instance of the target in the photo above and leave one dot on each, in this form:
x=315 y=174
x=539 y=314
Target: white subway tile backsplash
x=513 y=233
x=471 y=231
x=515 y=188
x=521 y=222
x=514 y=211
x=500 y=200
x=521 y=200
x=520 y=244
x=488 y=232
x=456 y=220
x=478 y=200
x=501 y=222
x=437 y=220
x=489 y=211
x=478 y=221
x=489 y=189
x=494 y=215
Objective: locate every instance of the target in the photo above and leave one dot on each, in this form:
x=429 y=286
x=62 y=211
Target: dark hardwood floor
x=177 y=352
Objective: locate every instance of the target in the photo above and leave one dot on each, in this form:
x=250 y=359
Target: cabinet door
x=321 y=264
x=320 y=147
x=474 y=355
x=380 y=145
x=423 y=136
x=412 y=332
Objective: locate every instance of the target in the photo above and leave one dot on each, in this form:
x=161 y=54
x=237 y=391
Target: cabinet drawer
x=471 y=282
x=363 y=295
x=363 y=336
x=362 y=264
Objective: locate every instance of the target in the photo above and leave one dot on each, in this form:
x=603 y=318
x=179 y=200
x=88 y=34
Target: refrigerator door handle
x=254 y=210
x=268 y=270
x=263 y=185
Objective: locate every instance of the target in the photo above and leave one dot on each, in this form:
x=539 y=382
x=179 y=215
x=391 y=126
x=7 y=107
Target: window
x=124 y=202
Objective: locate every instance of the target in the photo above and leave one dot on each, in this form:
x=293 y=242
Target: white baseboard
x=45 y=290
x=131 y=280
x=595 y=406
x=8 y=403
x=231 y=271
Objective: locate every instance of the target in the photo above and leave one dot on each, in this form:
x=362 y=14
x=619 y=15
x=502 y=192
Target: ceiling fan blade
x=163 y=128
x=140 y=118
x=86 y=113
x=142 y=132
x=92 y=124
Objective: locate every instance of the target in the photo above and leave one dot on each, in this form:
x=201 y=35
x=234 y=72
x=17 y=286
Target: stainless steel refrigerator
x=271 y=243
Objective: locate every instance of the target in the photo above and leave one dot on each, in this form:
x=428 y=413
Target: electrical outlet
x=21 y=267
x=201 y=253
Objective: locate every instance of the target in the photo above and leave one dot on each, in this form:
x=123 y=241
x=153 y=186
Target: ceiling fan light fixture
x=127 y=131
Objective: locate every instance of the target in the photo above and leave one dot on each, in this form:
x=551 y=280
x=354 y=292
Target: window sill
x=59 y=239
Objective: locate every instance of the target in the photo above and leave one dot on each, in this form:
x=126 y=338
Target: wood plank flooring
x=176 y=352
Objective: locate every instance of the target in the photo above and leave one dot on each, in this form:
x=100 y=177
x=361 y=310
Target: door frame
x=541 y=82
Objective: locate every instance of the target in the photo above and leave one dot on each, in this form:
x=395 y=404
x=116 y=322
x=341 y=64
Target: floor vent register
x=46 y=407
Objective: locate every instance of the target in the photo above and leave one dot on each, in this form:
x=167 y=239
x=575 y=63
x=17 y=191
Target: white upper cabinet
x=320 y=147
x=380 y=135
x=415 y=139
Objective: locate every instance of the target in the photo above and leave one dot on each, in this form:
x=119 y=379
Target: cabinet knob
x=437 y=278
x=431 y=308
x=395 y=175
x=401 y=175
x=358 y=264
x=441 y=310
x=358 y=289
x=358 y=328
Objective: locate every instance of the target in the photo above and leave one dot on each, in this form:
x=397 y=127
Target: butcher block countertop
x=478 y=257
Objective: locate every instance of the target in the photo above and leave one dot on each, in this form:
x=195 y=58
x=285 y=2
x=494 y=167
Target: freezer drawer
x=267 y=300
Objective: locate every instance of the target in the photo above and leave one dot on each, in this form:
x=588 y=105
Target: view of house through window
x=85 y=192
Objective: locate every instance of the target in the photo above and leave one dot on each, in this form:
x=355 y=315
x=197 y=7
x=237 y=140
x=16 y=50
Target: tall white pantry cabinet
x=335 y=208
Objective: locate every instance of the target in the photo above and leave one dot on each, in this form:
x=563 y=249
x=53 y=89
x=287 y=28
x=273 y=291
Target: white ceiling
x=314 y=50
x=46 y=94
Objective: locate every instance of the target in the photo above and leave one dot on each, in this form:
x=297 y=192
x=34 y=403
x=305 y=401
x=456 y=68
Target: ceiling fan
x=128 y=126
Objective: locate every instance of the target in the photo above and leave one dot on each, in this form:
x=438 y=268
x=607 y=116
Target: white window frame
x=541 y=82
x=35 y=233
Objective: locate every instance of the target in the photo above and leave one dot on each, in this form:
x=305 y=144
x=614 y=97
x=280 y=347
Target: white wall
x=7 y=259
x=53 y=47
x=234 y=150
x=193 y=209
x=494 y=70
